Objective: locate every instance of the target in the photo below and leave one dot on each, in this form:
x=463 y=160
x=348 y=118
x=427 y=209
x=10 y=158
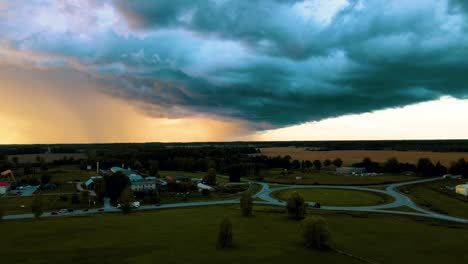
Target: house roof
x=4 y=184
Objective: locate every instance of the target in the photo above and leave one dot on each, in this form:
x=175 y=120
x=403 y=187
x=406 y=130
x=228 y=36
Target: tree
x=75 y=199
x=296 y=164
x=15 y=161
x=225 y=233
x=126 y=200
x=210 y=177
x=154 y=168
x=317 y=164
x=45 y=178
x=316 y=233
x=337 y=162
x=327 y=163
x=425 y=167
x=296 y=206
x=37 y=206
x=234 y=172
x=85 y=197
x=458 y=167
x=246 y=204
x=100 y=188
x=2 y=208
x=115 y=184
x=440 y=169
x=392 y=165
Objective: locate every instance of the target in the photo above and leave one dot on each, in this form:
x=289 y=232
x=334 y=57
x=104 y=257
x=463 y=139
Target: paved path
x=265 y=196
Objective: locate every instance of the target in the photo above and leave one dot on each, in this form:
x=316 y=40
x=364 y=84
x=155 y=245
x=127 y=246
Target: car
x=54 y=213
x=158 y=204
x=100 y=210
x=85 y=210
x=63 y=211
x=70 y=210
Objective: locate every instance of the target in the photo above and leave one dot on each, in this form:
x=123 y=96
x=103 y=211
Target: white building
x=350 y=170
x=462 y=189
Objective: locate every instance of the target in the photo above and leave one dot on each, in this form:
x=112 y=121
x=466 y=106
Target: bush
x=225 y=233
x=296 y=206
x=246 y=204
x=37 y=206
x=316 y=234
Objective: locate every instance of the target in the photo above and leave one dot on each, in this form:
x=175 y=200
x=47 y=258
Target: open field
x=61 y=174
x=336 y=197
x=327 y=178
x=353 y=156
x=430 y=196
x=189 y=235
x=48 y=157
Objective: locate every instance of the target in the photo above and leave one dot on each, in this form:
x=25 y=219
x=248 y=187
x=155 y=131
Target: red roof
x=4 y=184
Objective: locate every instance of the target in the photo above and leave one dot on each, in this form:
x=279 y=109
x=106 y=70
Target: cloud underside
x=268 y=62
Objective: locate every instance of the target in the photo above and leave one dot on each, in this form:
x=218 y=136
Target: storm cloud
x=271 y=63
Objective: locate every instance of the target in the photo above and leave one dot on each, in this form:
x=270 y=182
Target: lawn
x=328 y=178
x=336 y=197
x=430 y=196
x=189 y=235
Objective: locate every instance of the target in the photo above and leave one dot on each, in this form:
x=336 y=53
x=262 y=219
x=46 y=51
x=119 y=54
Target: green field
x=429 y=195
x=328 y=178
x=336 y=197
x=61 y=174
x=189 y=235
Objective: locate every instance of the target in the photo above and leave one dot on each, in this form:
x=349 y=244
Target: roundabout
x=335 y=197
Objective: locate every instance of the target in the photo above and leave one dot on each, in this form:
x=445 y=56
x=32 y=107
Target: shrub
x=316 y=233
x=37 y=206
x=296 y=206
x=246 y=204
x=225 y=233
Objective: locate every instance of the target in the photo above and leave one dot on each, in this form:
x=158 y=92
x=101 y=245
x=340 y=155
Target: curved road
x=265 y=195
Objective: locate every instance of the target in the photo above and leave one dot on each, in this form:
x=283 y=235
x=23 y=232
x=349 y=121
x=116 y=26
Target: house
x=462 y=189
x=89 y=184
x=4 y=187
x=143 y=186
x=350 y=170
x=202 y=186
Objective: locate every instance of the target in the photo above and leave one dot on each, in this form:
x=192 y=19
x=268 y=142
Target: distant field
x=336 y=197
x=353 y=156
x=189 y=235
x=49 y=157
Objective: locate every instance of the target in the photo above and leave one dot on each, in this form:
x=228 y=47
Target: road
x=265 y=196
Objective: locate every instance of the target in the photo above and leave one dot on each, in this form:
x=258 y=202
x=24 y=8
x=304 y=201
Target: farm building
x=4 y=187
x=462 y=189
x=350 y=170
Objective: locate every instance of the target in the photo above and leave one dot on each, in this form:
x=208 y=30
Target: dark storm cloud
x=271 y=61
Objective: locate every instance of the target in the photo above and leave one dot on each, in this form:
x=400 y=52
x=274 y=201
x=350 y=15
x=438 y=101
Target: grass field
x=189 y=235
x=353 y=156
x=430 y=196
x=327 y=178
x=336 y=197
x=22 y=205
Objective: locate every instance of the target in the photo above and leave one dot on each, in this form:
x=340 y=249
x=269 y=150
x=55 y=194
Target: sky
x=82 y=71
